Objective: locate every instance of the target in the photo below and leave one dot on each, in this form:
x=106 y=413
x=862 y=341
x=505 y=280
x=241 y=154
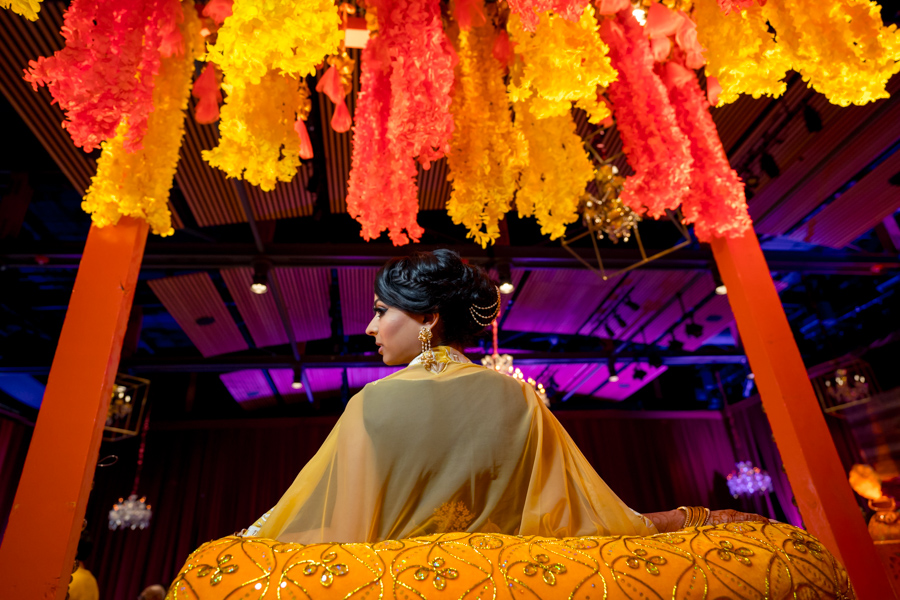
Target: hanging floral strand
x=405 y=103
x=209 y=96
x=557 y=174
x=378 y=170
x=337 y=83
x=137 y=184
x=564 y=62
x=742 y=56
x=715 y=203
x=257 y=139
x=289 y=37
x=27 y=8
x=104 y=74
x=843 y=50
x=657 y=149
x=488 y=152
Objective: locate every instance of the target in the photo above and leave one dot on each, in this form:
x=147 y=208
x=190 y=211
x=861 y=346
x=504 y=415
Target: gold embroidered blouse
x=458 y=447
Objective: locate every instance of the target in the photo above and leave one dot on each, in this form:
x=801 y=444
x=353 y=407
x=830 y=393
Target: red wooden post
x=817 y=477
x=39 y=545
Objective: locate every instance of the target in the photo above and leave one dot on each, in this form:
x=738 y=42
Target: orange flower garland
x=715 y=202
x=137 y=184
x=403 y=113
x=488 y=152
x=656 y=148
x=106 y=70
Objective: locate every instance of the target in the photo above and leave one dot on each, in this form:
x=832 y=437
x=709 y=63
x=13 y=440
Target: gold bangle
x=694 y=516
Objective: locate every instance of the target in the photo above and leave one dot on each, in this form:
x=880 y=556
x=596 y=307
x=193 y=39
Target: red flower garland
x=209 y=96
x=657 y=149
x=382 y=190
x=403 y=113
x=715 y=203
x=105 y=71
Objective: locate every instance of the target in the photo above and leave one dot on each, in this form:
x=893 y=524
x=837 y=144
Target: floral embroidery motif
x=441 y=575
x=218 y=571
x=443 y=356
x=329 y=571
x=452 y=516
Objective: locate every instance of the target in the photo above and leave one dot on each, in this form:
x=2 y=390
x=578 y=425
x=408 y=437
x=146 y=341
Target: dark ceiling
x=827 y=220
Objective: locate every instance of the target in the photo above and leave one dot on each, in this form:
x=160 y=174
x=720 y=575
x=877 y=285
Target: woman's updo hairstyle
x=438 y=282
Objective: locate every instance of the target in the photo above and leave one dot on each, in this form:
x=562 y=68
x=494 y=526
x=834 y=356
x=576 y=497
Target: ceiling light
x=260 y=283
x=721 y=290
x=620 y=320
x=505 y=277
x=613 y=374
x=769 y=166
x=609 y=332
x=297 y=379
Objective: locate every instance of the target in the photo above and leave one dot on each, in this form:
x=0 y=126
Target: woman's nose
x=371 y=329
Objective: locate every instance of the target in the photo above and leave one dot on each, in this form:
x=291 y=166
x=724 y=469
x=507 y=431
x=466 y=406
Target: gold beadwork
x=428 y=358
x=483 y=319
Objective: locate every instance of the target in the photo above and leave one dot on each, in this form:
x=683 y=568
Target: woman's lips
x=380 y=350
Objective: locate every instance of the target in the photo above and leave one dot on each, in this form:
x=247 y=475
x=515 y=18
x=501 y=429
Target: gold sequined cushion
x=738 y=560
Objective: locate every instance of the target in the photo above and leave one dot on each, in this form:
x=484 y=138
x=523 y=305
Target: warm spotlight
x=505 y=277
x=260 y=283
x=613 y=374
x=297 y=380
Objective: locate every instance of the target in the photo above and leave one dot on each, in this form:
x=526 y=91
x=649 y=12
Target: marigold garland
x=656 y=148
x=558 y=172
x=379 y=171
x=137 y=184
x=290 y=37
x=715 y=203
x=105 y=72
x=842 y=48
x=27 y=8
x=257 y=140
x=404 y=106
x=488 y=152
x=564 y=62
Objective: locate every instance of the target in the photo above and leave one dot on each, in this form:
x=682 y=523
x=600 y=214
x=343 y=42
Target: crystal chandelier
x=503 y=363
x=747 y=480
x=133 y=513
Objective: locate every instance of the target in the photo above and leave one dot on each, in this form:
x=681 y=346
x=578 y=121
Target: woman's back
x=455 y=448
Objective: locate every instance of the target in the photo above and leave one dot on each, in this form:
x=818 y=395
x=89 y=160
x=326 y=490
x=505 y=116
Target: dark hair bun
x=438 y=282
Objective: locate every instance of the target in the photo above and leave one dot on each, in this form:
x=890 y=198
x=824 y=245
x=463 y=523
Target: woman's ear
x=431 y=319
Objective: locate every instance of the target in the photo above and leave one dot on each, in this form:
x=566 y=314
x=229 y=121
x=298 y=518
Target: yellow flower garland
x=256 y=131
x=137 y=184
x=27 y=8
x=558 y=173
x=564 y=62
x=285 y=36
x=839 y=46
x=487 y=152
x=741 y=52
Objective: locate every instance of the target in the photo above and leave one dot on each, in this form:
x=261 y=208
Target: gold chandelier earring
x=428 y=358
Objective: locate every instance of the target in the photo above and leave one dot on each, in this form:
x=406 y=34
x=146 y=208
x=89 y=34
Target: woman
x=447 y=445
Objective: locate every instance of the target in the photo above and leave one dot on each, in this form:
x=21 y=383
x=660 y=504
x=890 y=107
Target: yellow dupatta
x=456 y=448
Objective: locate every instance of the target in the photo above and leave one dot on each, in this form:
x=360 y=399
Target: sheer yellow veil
x=456 y=448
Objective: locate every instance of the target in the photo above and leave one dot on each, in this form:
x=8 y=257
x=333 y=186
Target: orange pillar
x=45 y=524
x=817 y=477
